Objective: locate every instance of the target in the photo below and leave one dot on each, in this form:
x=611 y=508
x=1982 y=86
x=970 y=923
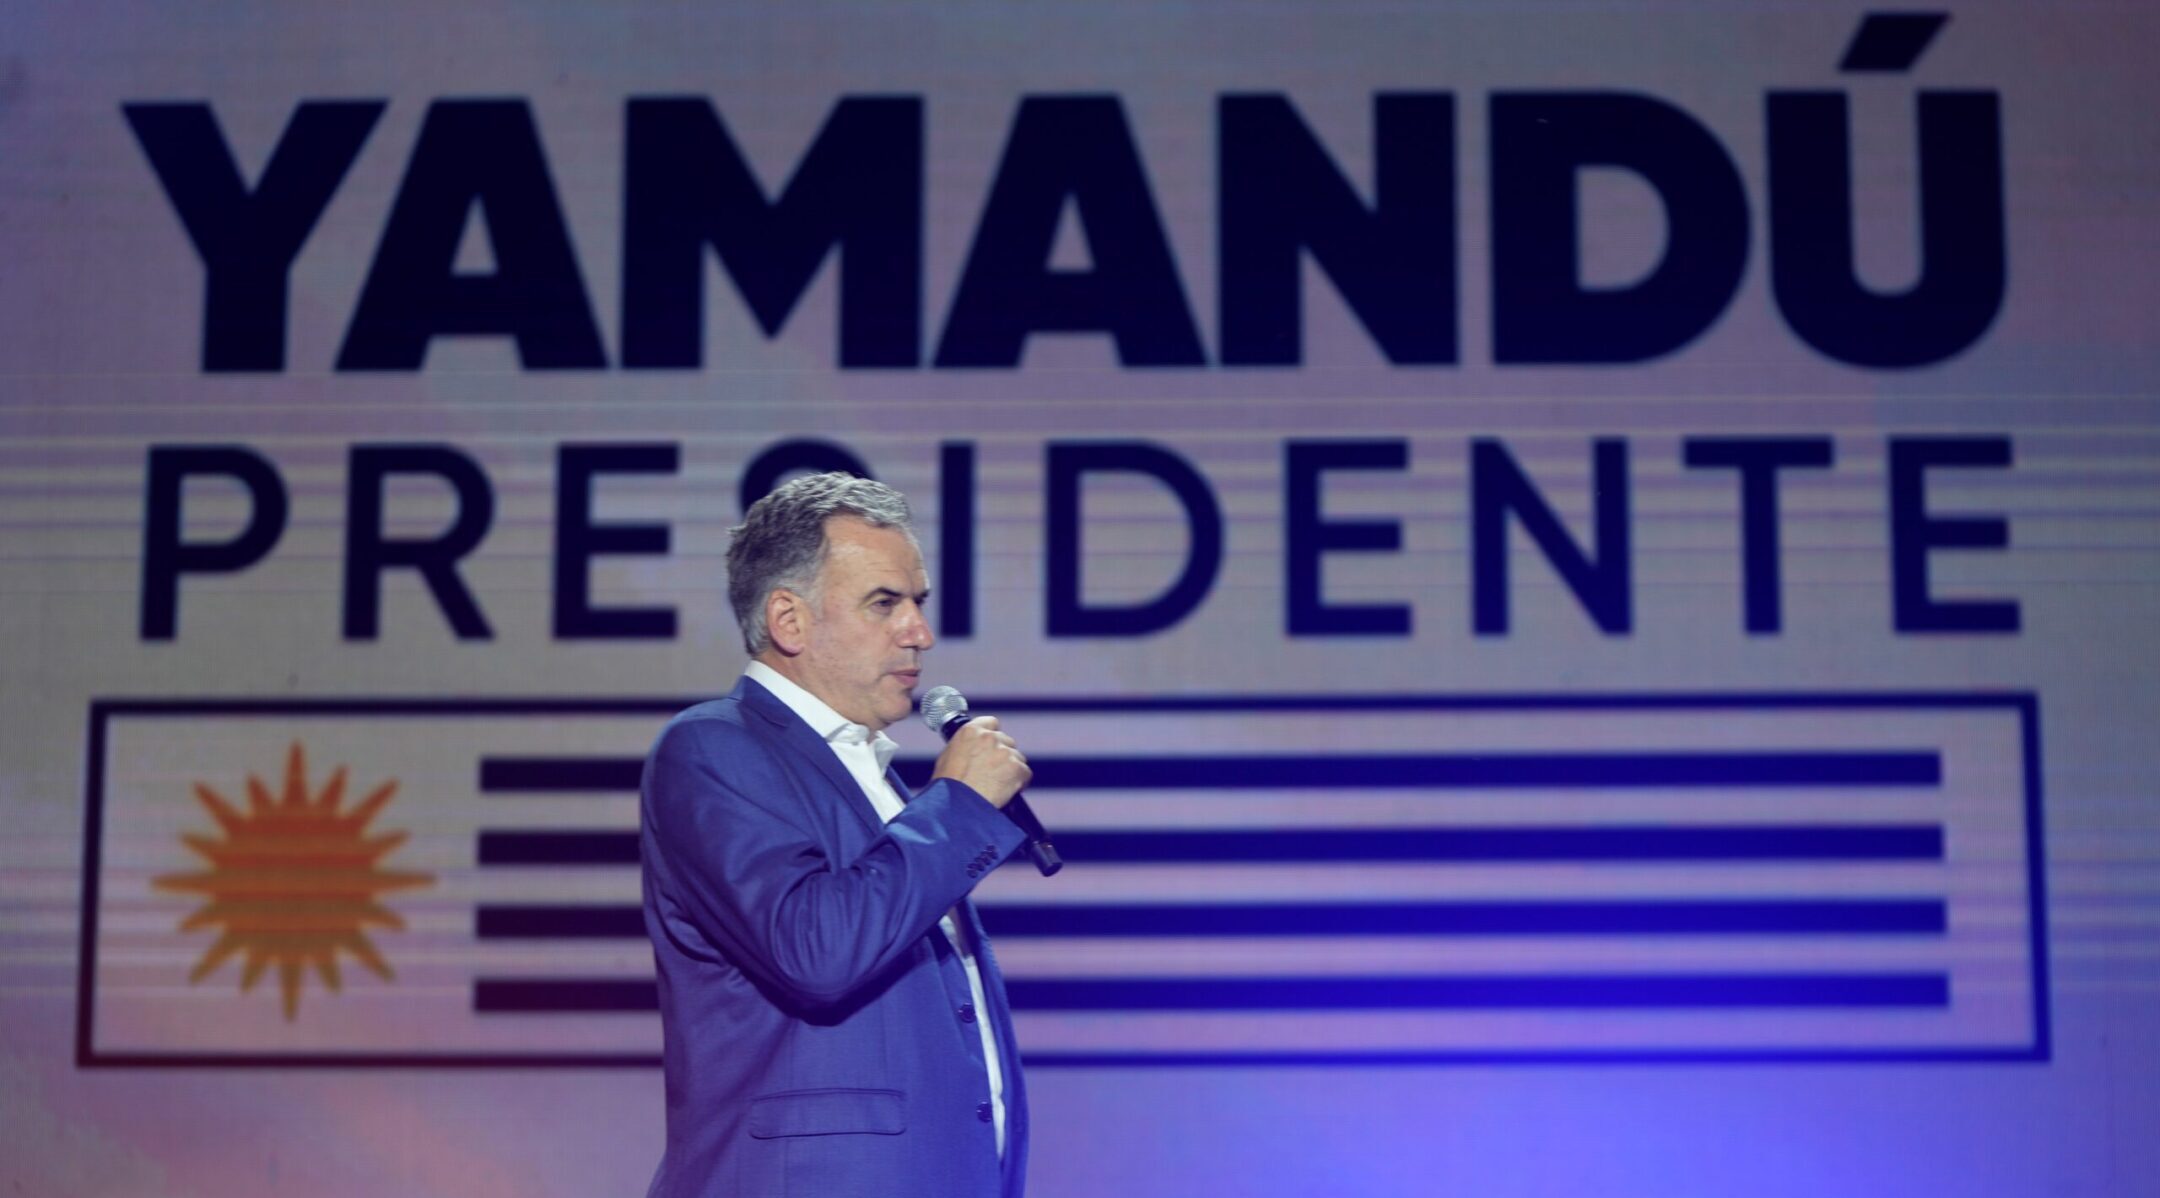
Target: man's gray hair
x=780 y=545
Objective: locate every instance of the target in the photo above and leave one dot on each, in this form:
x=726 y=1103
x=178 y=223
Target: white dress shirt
x=867 y=755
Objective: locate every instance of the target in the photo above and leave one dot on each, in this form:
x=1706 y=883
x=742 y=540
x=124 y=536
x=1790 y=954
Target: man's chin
x=897 y=707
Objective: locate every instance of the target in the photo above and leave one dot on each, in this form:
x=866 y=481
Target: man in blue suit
x=833 y=1022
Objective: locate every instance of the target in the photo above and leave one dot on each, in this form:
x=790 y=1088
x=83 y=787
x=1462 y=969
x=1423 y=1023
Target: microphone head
x=941 y=705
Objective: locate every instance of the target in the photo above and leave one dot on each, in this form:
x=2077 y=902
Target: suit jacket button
x=982 y=1111
x=967 y=1012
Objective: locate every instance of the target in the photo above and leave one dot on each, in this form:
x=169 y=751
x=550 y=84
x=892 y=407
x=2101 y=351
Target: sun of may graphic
x=295 y=879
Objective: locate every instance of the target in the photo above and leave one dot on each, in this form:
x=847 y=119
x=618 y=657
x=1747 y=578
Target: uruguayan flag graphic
x=1406 y=878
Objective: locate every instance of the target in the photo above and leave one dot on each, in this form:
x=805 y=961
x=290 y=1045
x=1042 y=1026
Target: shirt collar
x=837 y=729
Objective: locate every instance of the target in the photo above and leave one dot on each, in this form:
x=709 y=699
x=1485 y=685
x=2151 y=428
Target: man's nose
x=915 y=633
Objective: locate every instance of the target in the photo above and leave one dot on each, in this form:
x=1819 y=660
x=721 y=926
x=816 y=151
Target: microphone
x=945 y=709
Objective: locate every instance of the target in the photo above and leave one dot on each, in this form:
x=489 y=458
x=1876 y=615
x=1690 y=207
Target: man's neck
x=783 y=665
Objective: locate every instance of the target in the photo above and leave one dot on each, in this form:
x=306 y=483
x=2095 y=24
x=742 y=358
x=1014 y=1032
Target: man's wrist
x=965 y=789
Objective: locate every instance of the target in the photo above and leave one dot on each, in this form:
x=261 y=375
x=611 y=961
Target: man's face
x=865 y=639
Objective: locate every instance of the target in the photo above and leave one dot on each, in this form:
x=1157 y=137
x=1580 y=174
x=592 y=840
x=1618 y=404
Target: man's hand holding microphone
x=984 y=759
x=980 y=756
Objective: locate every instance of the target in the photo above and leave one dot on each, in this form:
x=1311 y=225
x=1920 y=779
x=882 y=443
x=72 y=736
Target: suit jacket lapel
x=804 y=740
x=899 y=785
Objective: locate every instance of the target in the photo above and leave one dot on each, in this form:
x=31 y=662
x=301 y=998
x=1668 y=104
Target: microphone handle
x=1040 y=850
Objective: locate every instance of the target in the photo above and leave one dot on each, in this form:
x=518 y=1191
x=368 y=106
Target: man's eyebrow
x=920 y=597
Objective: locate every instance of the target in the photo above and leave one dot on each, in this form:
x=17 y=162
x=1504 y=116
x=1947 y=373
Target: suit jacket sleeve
x=752 y=877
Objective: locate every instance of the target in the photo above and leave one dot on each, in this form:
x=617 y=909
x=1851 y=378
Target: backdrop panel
x=1580 y=578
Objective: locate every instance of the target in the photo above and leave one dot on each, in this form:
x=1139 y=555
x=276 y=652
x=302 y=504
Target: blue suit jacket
x=817 y=1023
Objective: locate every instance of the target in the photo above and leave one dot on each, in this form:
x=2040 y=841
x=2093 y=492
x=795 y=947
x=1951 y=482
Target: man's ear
x=787 y=621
